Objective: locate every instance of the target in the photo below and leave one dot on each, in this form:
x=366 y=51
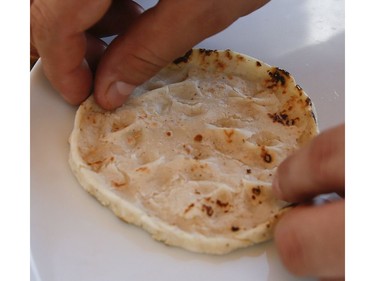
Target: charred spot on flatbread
x=184 y=58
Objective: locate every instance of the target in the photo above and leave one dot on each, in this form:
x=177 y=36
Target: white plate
x=74 y=238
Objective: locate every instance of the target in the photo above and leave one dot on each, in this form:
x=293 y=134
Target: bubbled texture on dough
x=191 y=155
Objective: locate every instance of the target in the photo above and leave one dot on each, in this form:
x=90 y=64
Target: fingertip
x=116 y=94
x=75 y=100
x=75 y=86
x=316 y=168
x=75 y=97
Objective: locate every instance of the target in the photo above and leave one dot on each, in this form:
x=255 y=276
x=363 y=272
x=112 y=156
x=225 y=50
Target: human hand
x=150 y=41
x=311 y=238
x=66 y=35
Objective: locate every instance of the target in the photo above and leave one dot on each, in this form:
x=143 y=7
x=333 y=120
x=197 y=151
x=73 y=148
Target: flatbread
x=191 y=155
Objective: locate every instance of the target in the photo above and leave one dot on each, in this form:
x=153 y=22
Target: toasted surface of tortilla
x=191 y=155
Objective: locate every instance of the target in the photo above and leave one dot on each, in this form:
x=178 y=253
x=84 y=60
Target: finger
x=94 y=51
x=117 y=19
x=317 y=168
x=157 y=37
x=57 y=31
x=34 y=56
x=311 y=240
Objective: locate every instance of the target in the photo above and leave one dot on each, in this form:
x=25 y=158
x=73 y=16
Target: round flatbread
x=191 y=155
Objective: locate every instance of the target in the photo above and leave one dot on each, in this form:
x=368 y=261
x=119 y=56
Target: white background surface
x=74 y=238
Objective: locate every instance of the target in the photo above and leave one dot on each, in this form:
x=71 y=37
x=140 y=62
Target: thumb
x=317 y=168
x=157 y=37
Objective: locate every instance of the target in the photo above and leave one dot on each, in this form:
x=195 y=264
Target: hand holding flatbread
x=146 y=43
x=311 y=238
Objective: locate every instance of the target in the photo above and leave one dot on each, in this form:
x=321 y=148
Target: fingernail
x=118 y=92
x=276 y=186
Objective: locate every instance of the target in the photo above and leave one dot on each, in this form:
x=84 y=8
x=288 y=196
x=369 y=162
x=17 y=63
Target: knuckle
x=143 y=64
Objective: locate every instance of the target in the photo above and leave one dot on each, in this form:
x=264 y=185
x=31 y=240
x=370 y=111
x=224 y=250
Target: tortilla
x=191 y=155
